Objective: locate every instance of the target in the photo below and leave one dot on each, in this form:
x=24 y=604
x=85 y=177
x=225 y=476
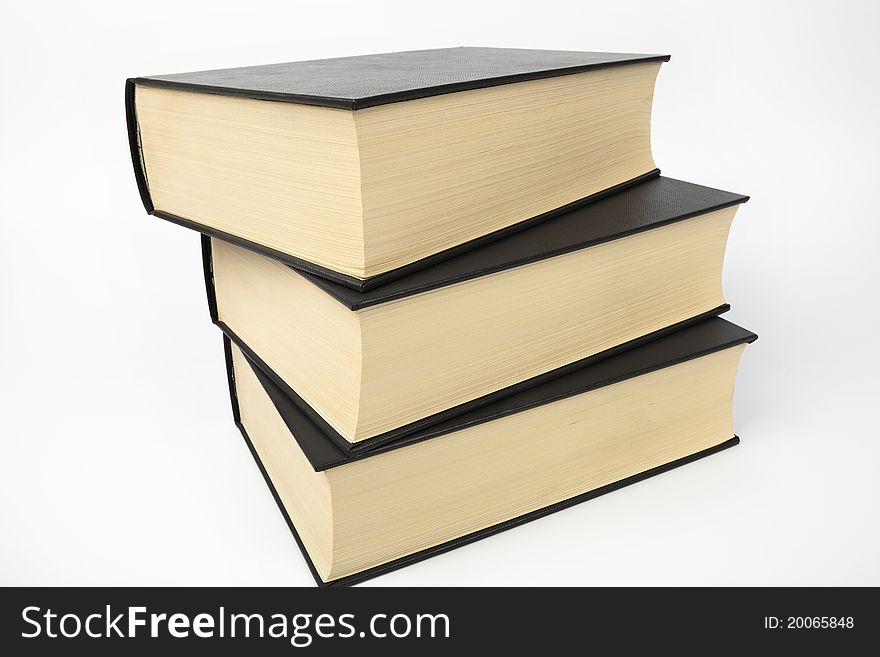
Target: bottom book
x=589 y=432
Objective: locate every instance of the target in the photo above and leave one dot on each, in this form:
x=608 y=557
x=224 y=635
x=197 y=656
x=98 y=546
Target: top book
x=361 y=169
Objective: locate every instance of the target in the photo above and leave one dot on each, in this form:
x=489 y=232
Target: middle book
x=374 y=366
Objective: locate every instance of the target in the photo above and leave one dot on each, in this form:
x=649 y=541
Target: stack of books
x=455 y=291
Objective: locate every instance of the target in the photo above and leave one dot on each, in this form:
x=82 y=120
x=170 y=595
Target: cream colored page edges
x=433 y=351
x=373 y=370
x=304 y=492
x=278 y=174
x=365 y=192
x=423 y=495
x=279 y=312
x=435 y=168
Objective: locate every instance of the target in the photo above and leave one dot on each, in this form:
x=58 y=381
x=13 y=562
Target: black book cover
x=366 y=81
x=699 y=340
x=363 y=81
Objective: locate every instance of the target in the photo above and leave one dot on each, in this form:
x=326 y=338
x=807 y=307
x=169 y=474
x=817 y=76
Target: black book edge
x=208 y=270
x=357 y=284
x=134 y=145
x=463 y=540
x=396 y=437
x=355 y=104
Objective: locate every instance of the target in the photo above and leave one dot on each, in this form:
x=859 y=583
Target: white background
x=119 y=462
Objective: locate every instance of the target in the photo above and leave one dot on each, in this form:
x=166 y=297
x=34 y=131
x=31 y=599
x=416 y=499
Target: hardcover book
x=590 y=431
x=362 y=169
x=373 y=366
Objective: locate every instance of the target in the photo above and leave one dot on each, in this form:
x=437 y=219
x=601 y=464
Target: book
x=376 y=365
x=583 y=434
x=362 y=169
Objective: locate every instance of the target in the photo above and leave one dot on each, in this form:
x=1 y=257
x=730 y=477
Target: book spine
x=134 y=145
x=230 y=378
x=208 y=269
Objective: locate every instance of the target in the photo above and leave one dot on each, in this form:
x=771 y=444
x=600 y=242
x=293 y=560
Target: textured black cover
x=368 y=80
x=323 y=450
x=728 y=335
